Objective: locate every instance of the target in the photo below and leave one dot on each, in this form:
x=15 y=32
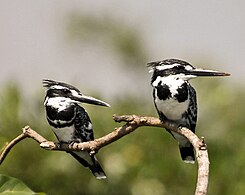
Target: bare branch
x=132 y=123
x=10 y=145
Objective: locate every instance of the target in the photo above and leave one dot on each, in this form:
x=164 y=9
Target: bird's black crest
x=167 y=62
x=49 y=83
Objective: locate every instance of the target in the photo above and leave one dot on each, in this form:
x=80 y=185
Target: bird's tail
x=187 y=153
x=91 y=162
x=185 y=147
x=97 y=170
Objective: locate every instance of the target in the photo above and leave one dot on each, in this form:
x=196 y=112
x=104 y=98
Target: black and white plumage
x=70 y=122
x=175 y=98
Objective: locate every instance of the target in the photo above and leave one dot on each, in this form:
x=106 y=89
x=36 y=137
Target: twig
x=132 y=123
x=10 y=145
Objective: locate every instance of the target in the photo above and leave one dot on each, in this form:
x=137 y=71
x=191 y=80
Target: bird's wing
x=192 y=110
x=83 y=125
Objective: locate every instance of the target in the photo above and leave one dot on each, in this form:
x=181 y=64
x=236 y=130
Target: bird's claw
x=203 y=145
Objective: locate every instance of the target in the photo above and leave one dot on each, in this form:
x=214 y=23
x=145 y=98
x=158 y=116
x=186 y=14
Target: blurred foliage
x=124 y=41
x=144 y=162
x=10 y=185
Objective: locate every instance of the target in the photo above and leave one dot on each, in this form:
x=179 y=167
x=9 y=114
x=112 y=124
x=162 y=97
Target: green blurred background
x=144 y=162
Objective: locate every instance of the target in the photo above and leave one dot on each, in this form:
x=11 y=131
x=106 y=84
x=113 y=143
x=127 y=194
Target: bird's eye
x=66 y=91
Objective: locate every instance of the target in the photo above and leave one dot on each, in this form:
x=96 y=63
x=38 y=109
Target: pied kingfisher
x=70 y=122
x=175 y=98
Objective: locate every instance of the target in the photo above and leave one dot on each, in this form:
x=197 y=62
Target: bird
x=70 y=122
x=175 y=99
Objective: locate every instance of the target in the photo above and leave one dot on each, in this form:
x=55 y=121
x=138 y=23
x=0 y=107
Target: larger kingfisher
x=175 y=98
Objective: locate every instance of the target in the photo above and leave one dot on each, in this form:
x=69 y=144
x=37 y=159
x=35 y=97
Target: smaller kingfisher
x=175 y=98
x=70 y=122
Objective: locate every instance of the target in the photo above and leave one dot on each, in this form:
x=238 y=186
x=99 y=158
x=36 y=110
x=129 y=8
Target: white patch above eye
x=164 y=67
x=58 y=87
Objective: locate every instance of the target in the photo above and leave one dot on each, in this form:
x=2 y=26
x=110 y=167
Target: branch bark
x=132 y=123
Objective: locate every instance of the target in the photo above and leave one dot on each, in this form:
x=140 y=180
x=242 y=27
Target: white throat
x=170 y=107
x=60 y=103
x=172 y=81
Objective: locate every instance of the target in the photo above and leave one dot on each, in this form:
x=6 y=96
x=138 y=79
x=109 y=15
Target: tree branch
x=10 y=145
x=132 y=123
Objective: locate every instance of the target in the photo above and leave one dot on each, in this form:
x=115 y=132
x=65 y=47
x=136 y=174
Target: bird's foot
x=48 y=145
x=203 y=145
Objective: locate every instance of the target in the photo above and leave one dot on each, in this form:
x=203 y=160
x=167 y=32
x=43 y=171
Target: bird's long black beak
x=90 y=100
x=202 y=72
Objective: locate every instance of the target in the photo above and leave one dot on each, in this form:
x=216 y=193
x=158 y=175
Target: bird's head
x=179 y=69
x=68 y=93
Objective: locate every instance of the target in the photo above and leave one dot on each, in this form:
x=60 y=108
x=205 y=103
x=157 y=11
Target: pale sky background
x=34 y=45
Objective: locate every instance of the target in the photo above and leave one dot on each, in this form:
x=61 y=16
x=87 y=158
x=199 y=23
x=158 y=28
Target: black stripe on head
x=167 y=62
x=179 y=66
x=48 y=83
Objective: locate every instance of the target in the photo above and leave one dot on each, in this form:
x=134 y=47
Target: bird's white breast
x=172 y=81
x=171 y=108
x=64 y=134
x=60 y=103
